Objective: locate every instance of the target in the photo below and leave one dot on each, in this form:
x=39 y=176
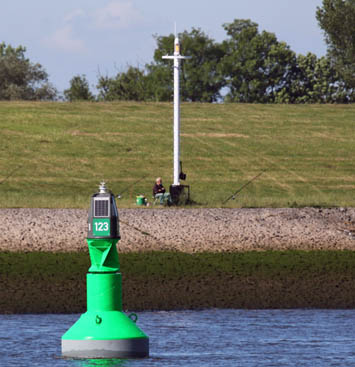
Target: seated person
x=159 y=192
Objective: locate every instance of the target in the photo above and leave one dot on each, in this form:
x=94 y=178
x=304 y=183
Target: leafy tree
x=314 y=80
x=256 y=65
x=126 y=86
x=337 y=19
x=200 y=78
x=159 y=83
x=79 y=90
x=21 y=79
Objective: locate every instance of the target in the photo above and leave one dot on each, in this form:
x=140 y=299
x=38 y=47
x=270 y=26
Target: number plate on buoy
x=101 y=227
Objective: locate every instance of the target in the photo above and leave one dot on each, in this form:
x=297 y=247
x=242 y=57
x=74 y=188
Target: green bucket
x=140 y=200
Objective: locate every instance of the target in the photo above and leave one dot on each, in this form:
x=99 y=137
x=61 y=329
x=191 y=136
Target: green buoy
x=104 y=331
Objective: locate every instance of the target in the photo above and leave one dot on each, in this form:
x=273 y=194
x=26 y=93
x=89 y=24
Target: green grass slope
x=58 y=152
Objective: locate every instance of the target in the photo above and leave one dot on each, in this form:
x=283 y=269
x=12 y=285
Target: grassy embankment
x=55 y=282
x=61 y=151
x=64 y=149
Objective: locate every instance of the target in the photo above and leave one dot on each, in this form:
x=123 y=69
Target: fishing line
x=276 y=164
x=131 y=185
x=140 y=231
x=232 y=155
x=10 y=174
x=241 y=188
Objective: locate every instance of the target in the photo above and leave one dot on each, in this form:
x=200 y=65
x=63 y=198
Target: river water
x=198 y=338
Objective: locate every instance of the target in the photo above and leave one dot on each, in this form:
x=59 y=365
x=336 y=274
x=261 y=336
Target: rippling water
x=198 y=338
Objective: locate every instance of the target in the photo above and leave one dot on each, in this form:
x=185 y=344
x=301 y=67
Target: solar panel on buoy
x=101 y=207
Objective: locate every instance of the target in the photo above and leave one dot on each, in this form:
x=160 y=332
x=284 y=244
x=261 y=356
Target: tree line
x=248 y=66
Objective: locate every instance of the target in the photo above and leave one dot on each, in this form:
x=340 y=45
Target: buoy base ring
x=119 y=348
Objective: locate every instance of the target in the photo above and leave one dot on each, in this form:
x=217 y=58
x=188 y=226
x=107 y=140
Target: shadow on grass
x=56 y=282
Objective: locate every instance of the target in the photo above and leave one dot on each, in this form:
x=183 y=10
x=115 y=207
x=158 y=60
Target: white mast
x=176 y=57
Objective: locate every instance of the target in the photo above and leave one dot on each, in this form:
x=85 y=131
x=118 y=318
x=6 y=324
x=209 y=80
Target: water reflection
x=99 y=362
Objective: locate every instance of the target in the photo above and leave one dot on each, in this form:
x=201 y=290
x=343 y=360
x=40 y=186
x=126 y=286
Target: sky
x=103 y=37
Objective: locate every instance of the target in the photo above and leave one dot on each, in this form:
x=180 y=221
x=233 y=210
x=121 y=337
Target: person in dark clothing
x=160 y=193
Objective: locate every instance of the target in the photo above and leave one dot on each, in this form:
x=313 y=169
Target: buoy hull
x=105 y=334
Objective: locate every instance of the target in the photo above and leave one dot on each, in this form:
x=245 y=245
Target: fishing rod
x=10 y=174
x=245 y=185
x=126 y=188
